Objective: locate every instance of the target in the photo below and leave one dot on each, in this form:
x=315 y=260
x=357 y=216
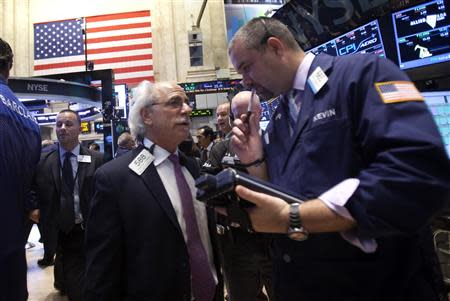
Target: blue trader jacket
x=345 y=131
x=20 y=145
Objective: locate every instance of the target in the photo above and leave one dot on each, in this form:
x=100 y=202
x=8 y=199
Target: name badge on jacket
x=84 y=159
x=317 y=80
x=141 y=162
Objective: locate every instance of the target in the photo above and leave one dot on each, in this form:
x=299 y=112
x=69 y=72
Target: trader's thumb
x=250 y=195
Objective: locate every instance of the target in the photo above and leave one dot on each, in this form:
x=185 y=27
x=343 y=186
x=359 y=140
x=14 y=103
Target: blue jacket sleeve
x=406 y=178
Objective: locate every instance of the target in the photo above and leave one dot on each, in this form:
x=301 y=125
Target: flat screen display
x=364 y=39
x=439 y=105
x=422 y=34
x=98 y=127
x=121 y=94
x=85 y=127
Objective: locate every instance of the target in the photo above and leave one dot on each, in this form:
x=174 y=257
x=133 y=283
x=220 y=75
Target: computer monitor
x=98 y=127
x=364 y=39
x=439 y=105
x=422 y=34
x=85 y=127
x=121 y=94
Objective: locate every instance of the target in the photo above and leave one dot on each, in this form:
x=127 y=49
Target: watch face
x=298 y=234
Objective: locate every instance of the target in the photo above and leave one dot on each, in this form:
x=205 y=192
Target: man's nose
x=247 y=82
x=186 y=108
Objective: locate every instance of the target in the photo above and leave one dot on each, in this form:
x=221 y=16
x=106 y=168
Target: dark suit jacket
x=47 y=185
x=134 y=245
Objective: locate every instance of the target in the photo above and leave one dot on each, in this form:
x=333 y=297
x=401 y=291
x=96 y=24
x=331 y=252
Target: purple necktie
x=203 y=284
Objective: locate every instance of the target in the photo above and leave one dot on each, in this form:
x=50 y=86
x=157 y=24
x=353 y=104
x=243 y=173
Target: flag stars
x=58 y=39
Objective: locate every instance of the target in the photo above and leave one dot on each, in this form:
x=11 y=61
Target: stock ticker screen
x=364 y=39
x=422 y=34
x=439 y=104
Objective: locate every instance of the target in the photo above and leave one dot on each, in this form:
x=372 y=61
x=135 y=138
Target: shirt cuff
x=335 y=199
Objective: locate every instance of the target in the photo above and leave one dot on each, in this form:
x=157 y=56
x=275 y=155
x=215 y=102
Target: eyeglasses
x=267 y=33
x=174 y=103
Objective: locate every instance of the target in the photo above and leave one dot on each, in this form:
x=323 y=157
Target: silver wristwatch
x=296 y=231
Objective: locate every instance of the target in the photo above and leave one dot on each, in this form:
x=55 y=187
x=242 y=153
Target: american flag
x=398 y=91
x=122 y=42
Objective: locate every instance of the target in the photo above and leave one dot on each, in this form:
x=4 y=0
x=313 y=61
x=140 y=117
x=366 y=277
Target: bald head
x=239 y=103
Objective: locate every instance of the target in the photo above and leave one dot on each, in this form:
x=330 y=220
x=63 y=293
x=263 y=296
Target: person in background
x=125 y=143
x=205 y=140
x=20 y=146
x=63 y=186
x=94 y=146
x=190 y=149
x=147 y=237
x=224 y=119
x=47 y=145
x=246 y=259
x=352 y=138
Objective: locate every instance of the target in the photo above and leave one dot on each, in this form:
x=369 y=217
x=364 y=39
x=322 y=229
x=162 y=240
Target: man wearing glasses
x=147 y=236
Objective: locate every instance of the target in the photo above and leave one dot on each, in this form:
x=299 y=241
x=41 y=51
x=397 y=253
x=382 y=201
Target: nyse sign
x=37 y=87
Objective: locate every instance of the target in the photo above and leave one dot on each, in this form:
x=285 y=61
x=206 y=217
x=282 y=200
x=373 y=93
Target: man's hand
x=34 y=215
x=246 y=141
x=270 y=215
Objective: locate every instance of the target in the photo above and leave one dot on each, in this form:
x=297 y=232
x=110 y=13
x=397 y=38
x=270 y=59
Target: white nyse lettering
x=37 y=87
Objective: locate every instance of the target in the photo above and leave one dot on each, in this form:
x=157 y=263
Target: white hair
x=143 y=96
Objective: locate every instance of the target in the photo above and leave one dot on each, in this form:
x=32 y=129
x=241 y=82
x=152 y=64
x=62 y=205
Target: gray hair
x=255 y=33
x=143 y=97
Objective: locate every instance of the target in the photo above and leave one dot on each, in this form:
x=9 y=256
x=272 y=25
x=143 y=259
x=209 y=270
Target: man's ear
x=276 y=45
x=146 y=115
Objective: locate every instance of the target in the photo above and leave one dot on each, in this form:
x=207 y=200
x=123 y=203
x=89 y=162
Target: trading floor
x=40 y=280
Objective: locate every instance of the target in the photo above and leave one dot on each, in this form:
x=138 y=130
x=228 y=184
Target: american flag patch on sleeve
x=398 y=91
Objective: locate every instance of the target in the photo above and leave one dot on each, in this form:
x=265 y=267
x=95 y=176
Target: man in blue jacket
x=353 y=137
x=20 y=146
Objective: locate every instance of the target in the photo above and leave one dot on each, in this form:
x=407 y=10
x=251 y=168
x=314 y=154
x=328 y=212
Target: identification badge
x=317 y=80
x=141 y=162
x=84 y=158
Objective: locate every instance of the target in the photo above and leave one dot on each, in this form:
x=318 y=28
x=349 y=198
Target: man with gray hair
x=147 y=236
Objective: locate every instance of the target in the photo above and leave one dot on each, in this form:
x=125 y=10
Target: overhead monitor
x=98 y=127
x=85 y=127
x=422 y=34
x=121 y=94
x=364 y=39
x=439 y=105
